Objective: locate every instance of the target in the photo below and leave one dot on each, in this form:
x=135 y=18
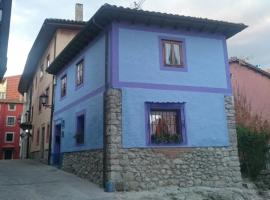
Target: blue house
x=143 y=99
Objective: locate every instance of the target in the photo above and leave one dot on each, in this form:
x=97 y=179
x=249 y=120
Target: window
x=80 y=129
x=165 y=123
x=37 y=138
x=11 y=121
x=64 y=86
x=41 y=71
x=36 y=82
x=39 y=104
x=2 y=95
x=79 y=72
x=172 y=53
x=12 y=107
x=9 y=137
x=47 y=93
x=48 y=61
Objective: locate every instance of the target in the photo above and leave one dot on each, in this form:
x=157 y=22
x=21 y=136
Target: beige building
x=54 y=35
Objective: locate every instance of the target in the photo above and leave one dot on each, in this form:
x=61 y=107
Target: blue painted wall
x=88 y=98
x=206 y=123
x=139 y=59
x=139 y=62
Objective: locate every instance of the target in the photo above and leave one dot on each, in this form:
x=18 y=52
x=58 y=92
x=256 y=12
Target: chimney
x=79 y=12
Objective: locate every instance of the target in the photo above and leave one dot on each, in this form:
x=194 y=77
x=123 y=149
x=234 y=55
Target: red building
x=11 y=107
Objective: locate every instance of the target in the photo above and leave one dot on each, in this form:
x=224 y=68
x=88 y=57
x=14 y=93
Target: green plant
x=252 y=147
x=165 y=139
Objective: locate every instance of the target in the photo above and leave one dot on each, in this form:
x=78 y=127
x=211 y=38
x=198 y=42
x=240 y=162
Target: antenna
x=138 y=4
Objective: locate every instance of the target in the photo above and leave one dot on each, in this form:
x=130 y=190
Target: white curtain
x=167 y=53
x=177 y=56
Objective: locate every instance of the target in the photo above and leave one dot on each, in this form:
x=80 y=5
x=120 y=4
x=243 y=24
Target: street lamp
x=44 y=100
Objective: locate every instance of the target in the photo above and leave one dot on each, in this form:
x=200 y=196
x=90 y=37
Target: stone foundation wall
x=148 y=168
x=85 y=164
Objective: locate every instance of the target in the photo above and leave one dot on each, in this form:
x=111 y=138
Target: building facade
x=252 y=100
x=54 y=35
x=141 y=104
x=11 y=105
x=5 y=12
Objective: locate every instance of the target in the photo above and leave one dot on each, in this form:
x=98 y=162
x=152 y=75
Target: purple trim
x=115 y=62
x=226 y=61
x=183 y=54
x=171 y=87
x=78 y=101
x=78 y=114
x=76 y=65
x=180 y=107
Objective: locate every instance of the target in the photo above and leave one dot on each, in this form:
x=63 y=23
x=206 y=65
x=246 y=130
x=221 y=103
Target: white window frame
x=13 y=135
x=14 y=121
x=11 y=109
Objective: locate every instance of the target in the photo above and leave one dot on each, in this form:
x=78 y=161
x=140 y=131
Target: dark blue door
x=57 y=145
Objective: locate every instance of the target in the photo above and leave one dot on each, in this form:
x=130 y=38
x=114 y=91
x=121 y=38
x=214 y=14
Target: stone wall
x=149 y=168
x=85 y=164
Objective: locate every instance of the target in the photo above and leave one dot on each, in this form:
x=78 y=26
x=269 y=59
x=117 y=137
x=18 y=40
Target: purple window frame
x=77 y=86
x=78 y=114
x=179 y=107
x=182 y=68
x=62 y=77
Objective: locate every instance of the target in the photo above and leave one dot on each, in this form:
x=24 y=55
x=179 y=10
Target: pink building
x=251 y=88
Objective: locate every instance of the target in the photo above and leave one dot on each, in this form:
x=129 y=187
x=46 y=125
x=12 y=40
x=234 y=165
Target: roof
x=41 y=43
x=249 y=66
x=108 y=13
x=12 y=93
x=5 y=6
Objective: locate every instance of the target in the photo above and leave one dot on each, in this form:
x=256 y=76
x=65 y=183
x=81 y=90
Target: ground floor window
x=166 y=123
x=80 y=129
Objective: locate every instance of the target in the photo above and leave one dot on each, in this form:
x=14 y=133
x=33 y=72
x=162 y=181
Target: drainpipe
x=52 y=108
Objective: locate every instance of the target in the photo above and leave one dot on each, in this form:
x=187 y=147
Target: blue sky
x=252 y=44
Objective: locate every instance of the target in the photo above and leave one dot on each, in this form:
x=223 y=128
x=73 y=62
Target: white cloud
x=28 y=16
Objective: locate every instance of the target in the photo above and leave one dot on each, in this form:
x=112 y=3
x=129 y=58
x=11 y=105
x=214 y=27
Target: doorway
x=57 y=145
x=8 y=154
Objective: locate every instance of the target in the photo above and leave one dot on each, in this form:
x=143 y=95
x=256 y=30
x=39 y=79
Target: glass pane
x=177 y=57
x=167 y=50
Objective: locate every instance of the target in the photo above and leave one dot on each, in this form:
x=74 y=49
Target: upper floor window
x=47 y=91
x=2 y=95
x=79 y=72
x=9 y=137
x=12 y=107
x=64 y=86
x=48 y=61
x=172 y=53
x=41 y=71
x=165 y=123
x=11 y=120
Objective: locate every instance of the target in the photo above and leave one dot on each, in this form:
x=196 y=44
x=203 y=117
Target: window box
x=165 y=123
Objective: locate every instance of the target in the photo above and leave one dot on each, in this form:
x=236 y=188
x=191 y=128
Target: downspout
x=106 y=58
x=52 y=104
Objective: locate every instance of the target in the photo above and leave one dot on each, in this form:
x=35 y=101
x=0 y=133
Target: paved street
x=29 y=180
